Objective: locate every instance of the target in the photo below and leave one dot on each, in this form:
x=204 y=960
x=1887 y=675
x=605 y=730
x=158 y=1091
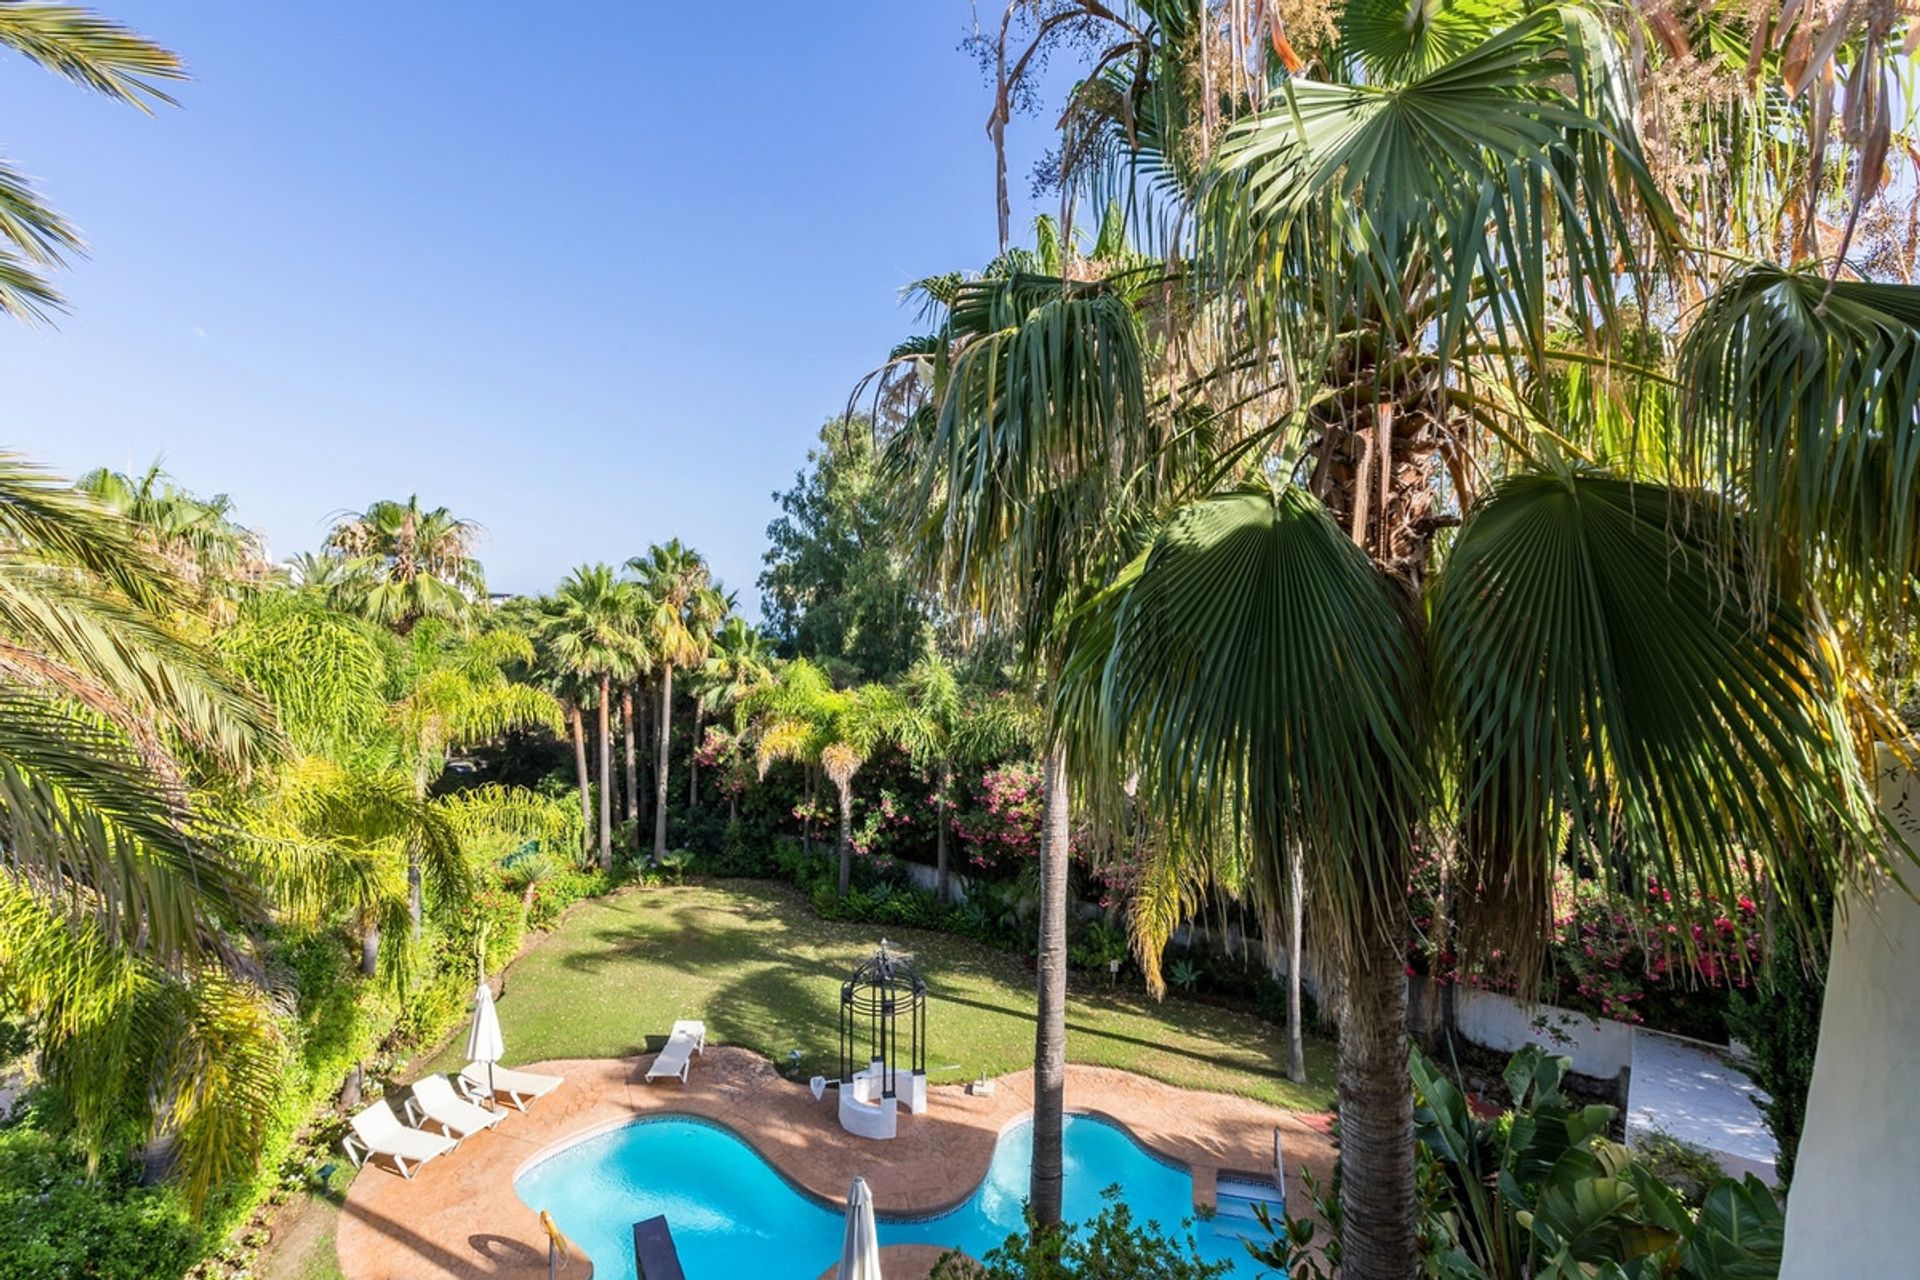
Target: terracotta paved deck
x=460 y=1217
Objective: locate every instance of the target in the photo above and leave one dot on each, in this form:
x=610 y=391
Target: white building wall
x=1854 y=1208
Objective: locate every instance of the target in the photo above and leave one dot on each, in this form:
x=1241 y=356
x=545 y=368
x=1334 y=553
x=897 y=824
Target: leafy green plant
x=1541 y=1193
x=1185 y=974
x=1111 y=1247
x=675 y=863
x=61 y=1224
x=1100 y=944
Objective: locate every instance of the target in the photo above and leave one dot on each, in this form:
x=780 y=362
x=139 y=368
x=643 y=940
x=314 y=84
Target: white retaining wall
x=1599 y=1047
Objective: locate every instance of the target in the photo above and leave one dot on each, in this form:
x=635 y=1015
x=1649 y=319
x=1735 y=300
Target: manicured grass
x=753 y=961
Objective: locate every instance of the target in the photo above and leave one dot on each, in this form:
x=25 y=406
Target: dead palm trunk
x=1296 y=1039
x=660 y=763
x=577 y=722
x=606 y=777
x=1050 y=1030
x=632 y=815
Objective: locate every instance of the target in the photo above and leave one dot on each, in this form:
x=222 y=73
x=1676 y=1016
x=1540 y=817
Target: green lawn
x=763 y=971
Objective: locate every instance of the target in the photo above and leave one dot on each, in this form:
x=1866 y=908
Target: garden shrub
x=1111 y=1247
x=57 y=1223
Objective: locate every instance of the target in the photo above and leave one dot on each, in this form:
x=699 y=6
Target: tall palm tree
x=98 y=54
x=592 y=629
x=1458 y=555
x=1036 y=362
x=402 y=562
x=800 y=716
x=686 y=609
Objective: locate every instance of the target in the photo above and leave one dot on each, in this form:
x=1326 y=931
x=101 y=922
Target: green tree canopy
x=835 y=589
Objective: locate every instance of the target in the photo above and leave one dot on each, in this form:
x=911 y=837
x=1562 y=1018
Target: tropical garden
x=1438 y=499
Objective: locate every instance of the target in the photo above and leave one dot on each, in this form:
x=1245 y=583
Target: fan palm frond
x=1261 y=673
x=1613 y=688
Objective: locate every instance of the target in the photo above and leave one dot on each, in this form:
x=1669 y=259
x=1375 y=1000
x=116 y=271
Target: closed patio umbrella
x=860 y=1253
x=483 y=1038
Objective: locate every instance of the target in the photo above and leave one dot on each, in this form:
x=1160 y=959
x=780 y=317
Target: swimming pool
x=732 y=1215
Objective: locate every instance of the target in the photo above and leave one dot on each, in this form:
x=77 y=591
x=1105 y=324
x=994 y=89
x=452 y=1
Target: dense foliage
x=1540 y=1191
x=834 y=588
x=1111 y=1247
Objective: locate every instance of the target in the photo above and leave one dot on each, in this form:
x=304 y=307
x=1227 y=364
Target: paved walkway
x=460 y=1219
x=1687 y=1091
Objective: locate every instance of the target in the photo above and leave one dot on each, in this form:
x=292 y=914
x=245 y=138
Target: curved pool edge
x=837 y=1204
x=462 y=1212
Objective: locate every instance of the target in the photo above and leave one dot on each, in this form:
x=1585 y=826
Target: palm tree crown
x=401 y=562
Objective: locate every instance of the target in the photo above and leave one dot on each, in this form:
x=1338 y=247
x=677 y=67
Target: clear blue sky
x=591 y=274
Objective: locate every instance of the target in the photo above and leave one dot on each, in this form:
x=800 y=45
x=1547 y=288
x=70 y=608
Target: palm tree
x=800 y=716
x=198 y=537
x=739 y=660
x=1036 y=362
x=112 y=893
x=592 y=629
x=463 y=695
x=685 y=611
x=1420 y=575
x=940 y=723
x=103 y=56
x=401 y=562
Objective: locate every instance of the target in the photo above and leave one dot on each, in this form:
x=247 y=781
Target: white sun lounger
x=694 y=1028
x=515 y=1087
x=378 y=1132
x=675 y=1059
x=434 y=1099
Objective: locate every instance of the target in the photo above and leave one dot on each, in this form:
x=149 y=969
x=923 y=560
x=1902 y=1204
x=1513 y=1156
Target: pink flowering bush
x=1664 y=959
x=1001 y=828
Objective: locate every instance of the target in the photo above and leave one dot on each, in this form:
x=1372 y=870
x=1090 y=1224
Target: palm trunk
x=1296 y=1038
x=660 y=763
x=413 y=856
x=632 y=815
x=1050 y=1031
x=1376 y=1116
x=942 y=876
x=370 y=951
x=606 y=778
x=693 y=761
x=806 y=823
x=846 y=838
x=577 y=722
x=643 y=709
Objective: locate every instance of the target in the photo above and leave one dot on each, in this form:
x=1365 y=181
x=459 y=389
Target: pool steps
x=1234 y=1201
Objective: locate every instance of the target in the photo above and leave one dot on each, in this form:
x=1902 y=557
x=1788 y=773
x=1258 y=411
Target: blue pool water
x=732 y=1215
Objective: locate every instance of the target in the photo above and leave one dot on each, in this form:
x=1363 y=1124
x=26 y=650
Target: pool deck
x=460 y=1219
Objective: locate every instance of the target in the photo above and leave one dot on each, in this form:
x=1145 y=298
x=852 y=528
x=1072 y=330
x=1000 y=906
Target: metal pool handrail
x=559 y=1248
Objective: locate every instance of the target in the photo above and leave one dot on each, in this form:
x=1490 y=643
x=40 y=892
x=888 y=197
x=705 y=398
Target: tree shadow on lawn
x=777 y=1009
x=1263 y=1064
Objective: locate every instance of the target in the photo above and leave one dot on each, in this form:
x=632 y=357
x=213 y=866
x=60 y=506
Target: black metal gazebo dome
x=881 y=992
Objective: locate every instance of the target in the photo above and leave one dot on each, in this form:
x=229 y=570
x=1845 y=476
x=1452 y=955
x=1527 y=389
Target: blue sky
x=593 y=280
